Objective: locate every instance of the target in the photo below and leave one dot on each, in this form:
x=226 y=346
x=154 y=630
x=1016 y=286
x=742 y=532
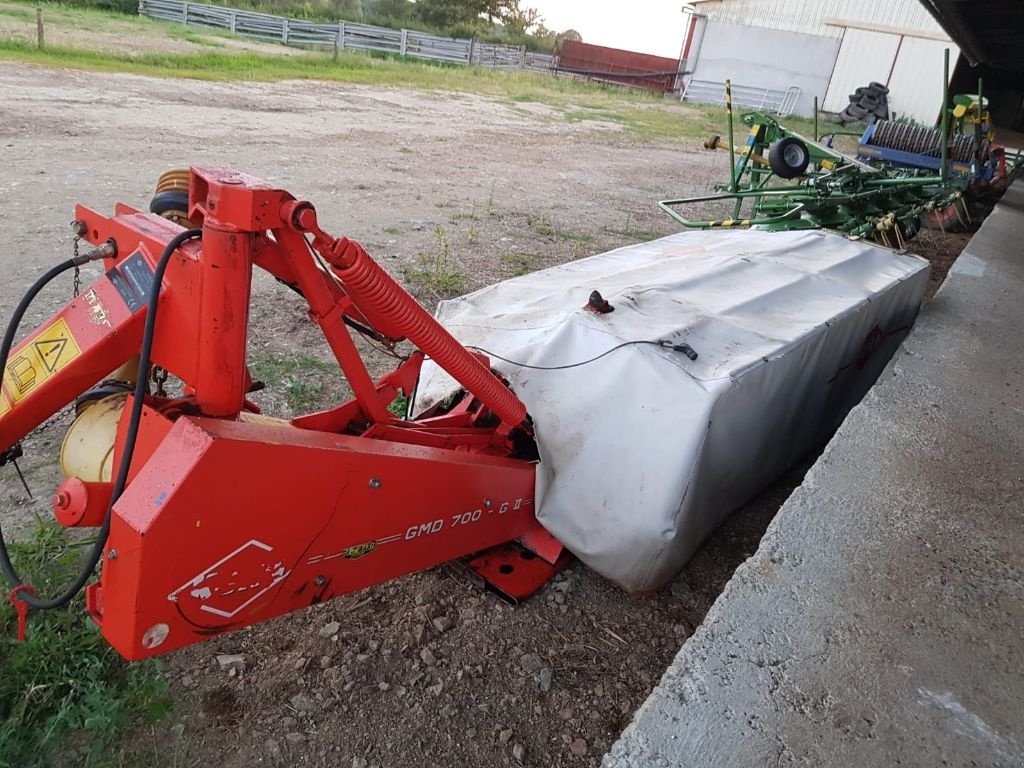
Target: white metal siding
x=863 y=57
x=810 y=15
x=772 y=59
x=915 y=88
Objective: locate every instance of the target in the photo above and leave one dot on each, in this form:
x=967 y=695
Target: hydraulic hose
x=133 y=425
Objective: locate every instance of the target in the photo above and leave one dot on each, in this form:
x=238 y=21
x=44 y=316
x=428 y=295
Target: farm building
x=788 y=52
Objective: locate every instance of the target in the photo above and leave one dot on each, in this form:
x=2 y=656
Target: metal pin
x=22 y=478
x=956 y=210
x=967 y=213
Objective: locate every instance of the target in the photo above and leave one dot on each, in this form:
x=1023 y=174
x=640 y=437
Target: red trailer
x=639 y=70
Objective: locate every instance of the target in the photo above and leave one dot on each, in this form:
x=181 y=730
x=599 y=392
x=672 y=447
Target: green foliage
x=436 y=271
x=399 y=405
x=130 y=7
x=519 y=264
x=64 y=687
x=631 y=232
x=389 y=13
x=446 y=14
x=304 y=379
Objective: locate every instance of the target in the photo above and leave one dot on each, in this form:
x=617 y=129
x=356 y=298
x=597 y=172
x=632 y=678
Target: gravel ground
x=427 y=670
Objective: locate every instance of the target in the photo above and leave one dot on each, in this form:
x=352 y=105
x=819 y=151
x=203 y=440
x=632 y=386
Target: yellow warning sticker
x=44 y=355
x=4 y=405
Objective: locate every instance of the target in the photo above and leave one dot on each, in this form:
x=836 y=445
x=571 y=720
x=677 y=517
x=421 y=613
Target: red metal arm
x=266 y=516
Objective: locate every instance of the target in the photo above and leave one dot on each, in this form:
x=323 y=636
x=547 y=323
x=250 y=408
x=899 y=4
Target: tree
x=443 y=14
x=390 y=9
x=511 y=14
x=521 y=20
x=570 y=34
x=352 y=10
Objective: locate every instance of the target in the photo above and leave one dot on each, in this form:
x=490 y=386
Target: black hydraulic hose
x=130 y=436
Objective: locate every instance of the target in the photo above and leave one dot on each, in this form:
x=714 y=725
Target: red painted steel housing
x=230 y=517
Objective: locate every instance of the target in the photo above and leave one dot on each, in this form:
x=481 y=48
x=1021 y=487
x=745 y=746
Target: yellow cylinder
x=88 y=449
x=175 y=180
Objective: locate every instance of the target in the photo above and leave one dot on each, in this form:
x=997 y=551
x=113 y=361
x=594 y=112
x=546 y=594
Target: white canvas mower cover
x=645 y=451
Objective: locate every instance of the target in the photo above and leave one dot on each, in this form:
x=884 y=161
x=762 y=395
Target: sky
x=648 y=26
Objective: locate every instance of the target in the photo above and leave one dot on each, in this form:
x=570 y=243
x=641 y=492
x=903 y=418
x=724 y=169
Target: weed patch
x=631 y=232
x=64 y=688
x=307 y=383
x=519 y=264
x=436 y=271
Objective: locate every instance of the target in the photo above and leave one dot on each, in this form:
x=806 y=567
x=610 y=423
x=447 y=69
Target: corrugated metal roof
x=810 y=16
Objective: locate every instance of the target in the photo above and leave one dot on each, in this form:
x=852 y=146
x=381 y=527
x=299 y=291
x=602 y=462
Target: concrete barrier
x=881 y=621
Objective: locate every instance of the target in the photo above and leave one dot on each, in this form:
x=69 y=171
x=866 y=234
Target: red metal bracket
x=514 y=572
x=21 y=608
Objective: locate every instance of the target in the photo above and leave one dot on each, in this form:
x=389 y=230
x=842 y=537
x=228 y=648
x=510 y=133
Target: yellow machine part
x=129 y=372
x=88 y=449
x=176 y=179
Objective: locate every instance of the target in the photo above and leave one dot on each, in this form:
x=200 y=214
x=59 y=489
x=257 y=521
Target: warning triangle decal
x=50 y=351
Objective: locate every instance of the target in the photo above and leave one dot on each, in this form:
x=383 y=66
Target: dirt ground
x=427 y=670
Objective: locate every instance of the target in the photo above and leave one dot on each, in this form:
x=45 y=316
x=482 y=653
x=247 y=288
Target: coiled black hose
x=133 y=425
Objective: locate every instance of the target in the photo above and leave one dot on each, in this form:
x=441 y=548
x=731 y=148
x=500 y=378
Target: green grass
x=64 y=693
x=630 y=231
x=436 y=272
x=308 y=383
x=544 y=227
x=519 y=264
x=399 y=405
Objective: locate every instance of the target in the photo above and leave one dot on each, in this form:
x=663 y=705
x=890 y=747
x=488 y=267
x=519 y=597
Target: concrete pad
x=881 y=621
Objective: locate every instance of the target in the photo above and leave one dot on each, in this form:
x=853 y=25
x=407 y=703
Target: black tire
x=173 y=200
x=856 y=111
x=858 y=93
x=882 y=112
x=789 y=158
x=879 y=88
x=845 y=117
x=869 y=102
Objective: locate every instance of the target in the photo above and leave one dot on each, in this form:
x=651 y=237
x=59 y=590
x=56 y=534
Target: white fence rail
x=345 y=36
x=782 y=102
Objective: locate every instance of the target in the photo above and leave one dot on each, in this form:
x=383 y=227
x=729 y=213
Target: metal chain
x=159 y=378
x=78 y=274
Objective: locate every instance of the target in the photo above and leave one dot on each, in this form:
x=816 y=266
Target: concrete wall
x=880 y=621
x=766 y=58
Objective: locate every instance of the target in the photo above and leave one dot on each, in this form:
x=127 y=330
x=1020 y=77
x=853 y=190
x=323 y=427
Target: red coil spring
x=377 y=293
